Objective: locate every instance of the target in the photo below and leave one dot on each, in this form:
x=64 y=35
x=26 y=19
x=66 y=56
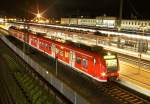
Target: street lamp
x=56 y=62
x=38 y=15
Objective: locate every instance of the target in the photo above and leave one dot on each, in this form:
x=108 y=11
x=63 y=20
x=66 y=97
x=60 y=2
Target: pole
x=56 y=66
x=119 y=22
x=141 y=45
x=120 y=12
x=139 y=63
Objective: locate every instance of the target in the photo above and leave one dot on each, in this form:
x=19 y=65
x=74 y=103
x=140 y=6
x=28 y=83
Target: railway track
x=119 y=93
x=135 y=61
x=123 y=95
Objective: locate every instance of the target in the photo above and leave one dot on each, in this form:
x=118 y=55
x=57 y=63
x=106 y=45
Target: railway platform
x=135 y=77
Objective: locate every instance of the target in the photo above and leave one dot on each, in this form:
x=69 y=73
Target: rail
x=122 y=95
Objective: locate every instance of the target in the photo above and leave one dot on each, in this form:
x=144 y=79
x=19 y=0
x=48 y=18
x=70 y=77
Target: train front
x=112 y=66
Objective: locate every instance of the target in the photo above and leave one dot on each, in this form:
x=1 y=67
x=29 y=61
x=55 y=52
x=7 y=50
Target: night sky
x=73 y=8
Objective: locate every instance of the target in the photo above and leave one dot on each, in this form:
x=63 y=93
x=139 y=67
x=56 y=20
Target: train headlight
x=103 y=74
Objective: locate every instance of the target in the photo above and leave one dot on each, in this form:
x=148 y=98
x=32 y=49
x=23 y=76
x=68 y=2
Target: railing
x=70 y=94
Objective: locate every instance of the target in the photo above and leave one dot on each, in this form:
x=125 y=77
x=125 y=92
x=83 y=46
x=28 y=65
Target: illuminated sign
x=109 y=57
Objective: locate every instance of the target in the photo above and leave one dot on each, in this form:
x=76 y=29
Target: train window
x=78 y=60
x=94 y=61
x=43 y=44
x=66 y=54
x=35 y=40
x=49 y=48
x=40 y=43
x=61 y=52
x=32 y=40
x=111 y=64
x=84 y=63
x=57 y=51
x=46 y=45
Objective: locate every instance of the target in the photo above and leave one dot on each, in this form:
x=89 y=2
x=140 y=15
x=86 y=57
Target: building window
x=40 y=43
x=138 y=23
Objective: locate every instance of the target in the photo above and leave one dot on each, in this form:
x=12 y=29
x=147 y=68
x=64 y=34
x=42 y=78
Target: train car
x=18 y=34
x=100 y=65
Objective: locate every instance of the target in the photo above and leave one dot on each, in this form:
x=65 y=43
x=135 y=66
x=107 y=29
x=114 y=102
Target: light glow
x=109 y=57
x=46 y=72
x=38 y=15
x=103 y=74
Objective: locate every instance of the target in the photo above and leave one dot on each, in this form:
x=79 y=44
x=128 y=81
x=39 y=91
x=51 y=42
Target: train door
x=38 y=43
x=72 y=58
x=30 y=39
x=53 y=50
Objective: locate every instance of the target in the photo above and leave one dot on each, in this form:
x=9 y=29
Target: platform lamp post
x=56 y=63
x=119 y=22
x=38 y=16
x=25 y=26
x=141 y=48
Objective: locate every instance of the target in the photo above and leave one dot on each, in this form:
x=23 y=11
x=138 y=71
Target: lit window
x=57 y=51
x=46 y=45
x=66 y=54
x=40 y=43
x=94 y=61
x=61 y=52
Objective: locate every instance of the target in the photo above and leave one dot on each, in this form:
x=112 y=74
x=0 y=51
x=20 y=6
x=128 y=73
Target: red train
x=102 y=66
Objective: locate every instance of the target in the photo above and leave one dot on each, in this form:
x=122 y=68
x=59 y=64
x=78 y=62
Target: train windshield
x=111 y=62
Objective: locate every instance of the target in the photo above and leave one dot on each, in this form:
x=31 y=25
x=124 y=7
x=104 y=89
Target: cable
x=134 y=10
